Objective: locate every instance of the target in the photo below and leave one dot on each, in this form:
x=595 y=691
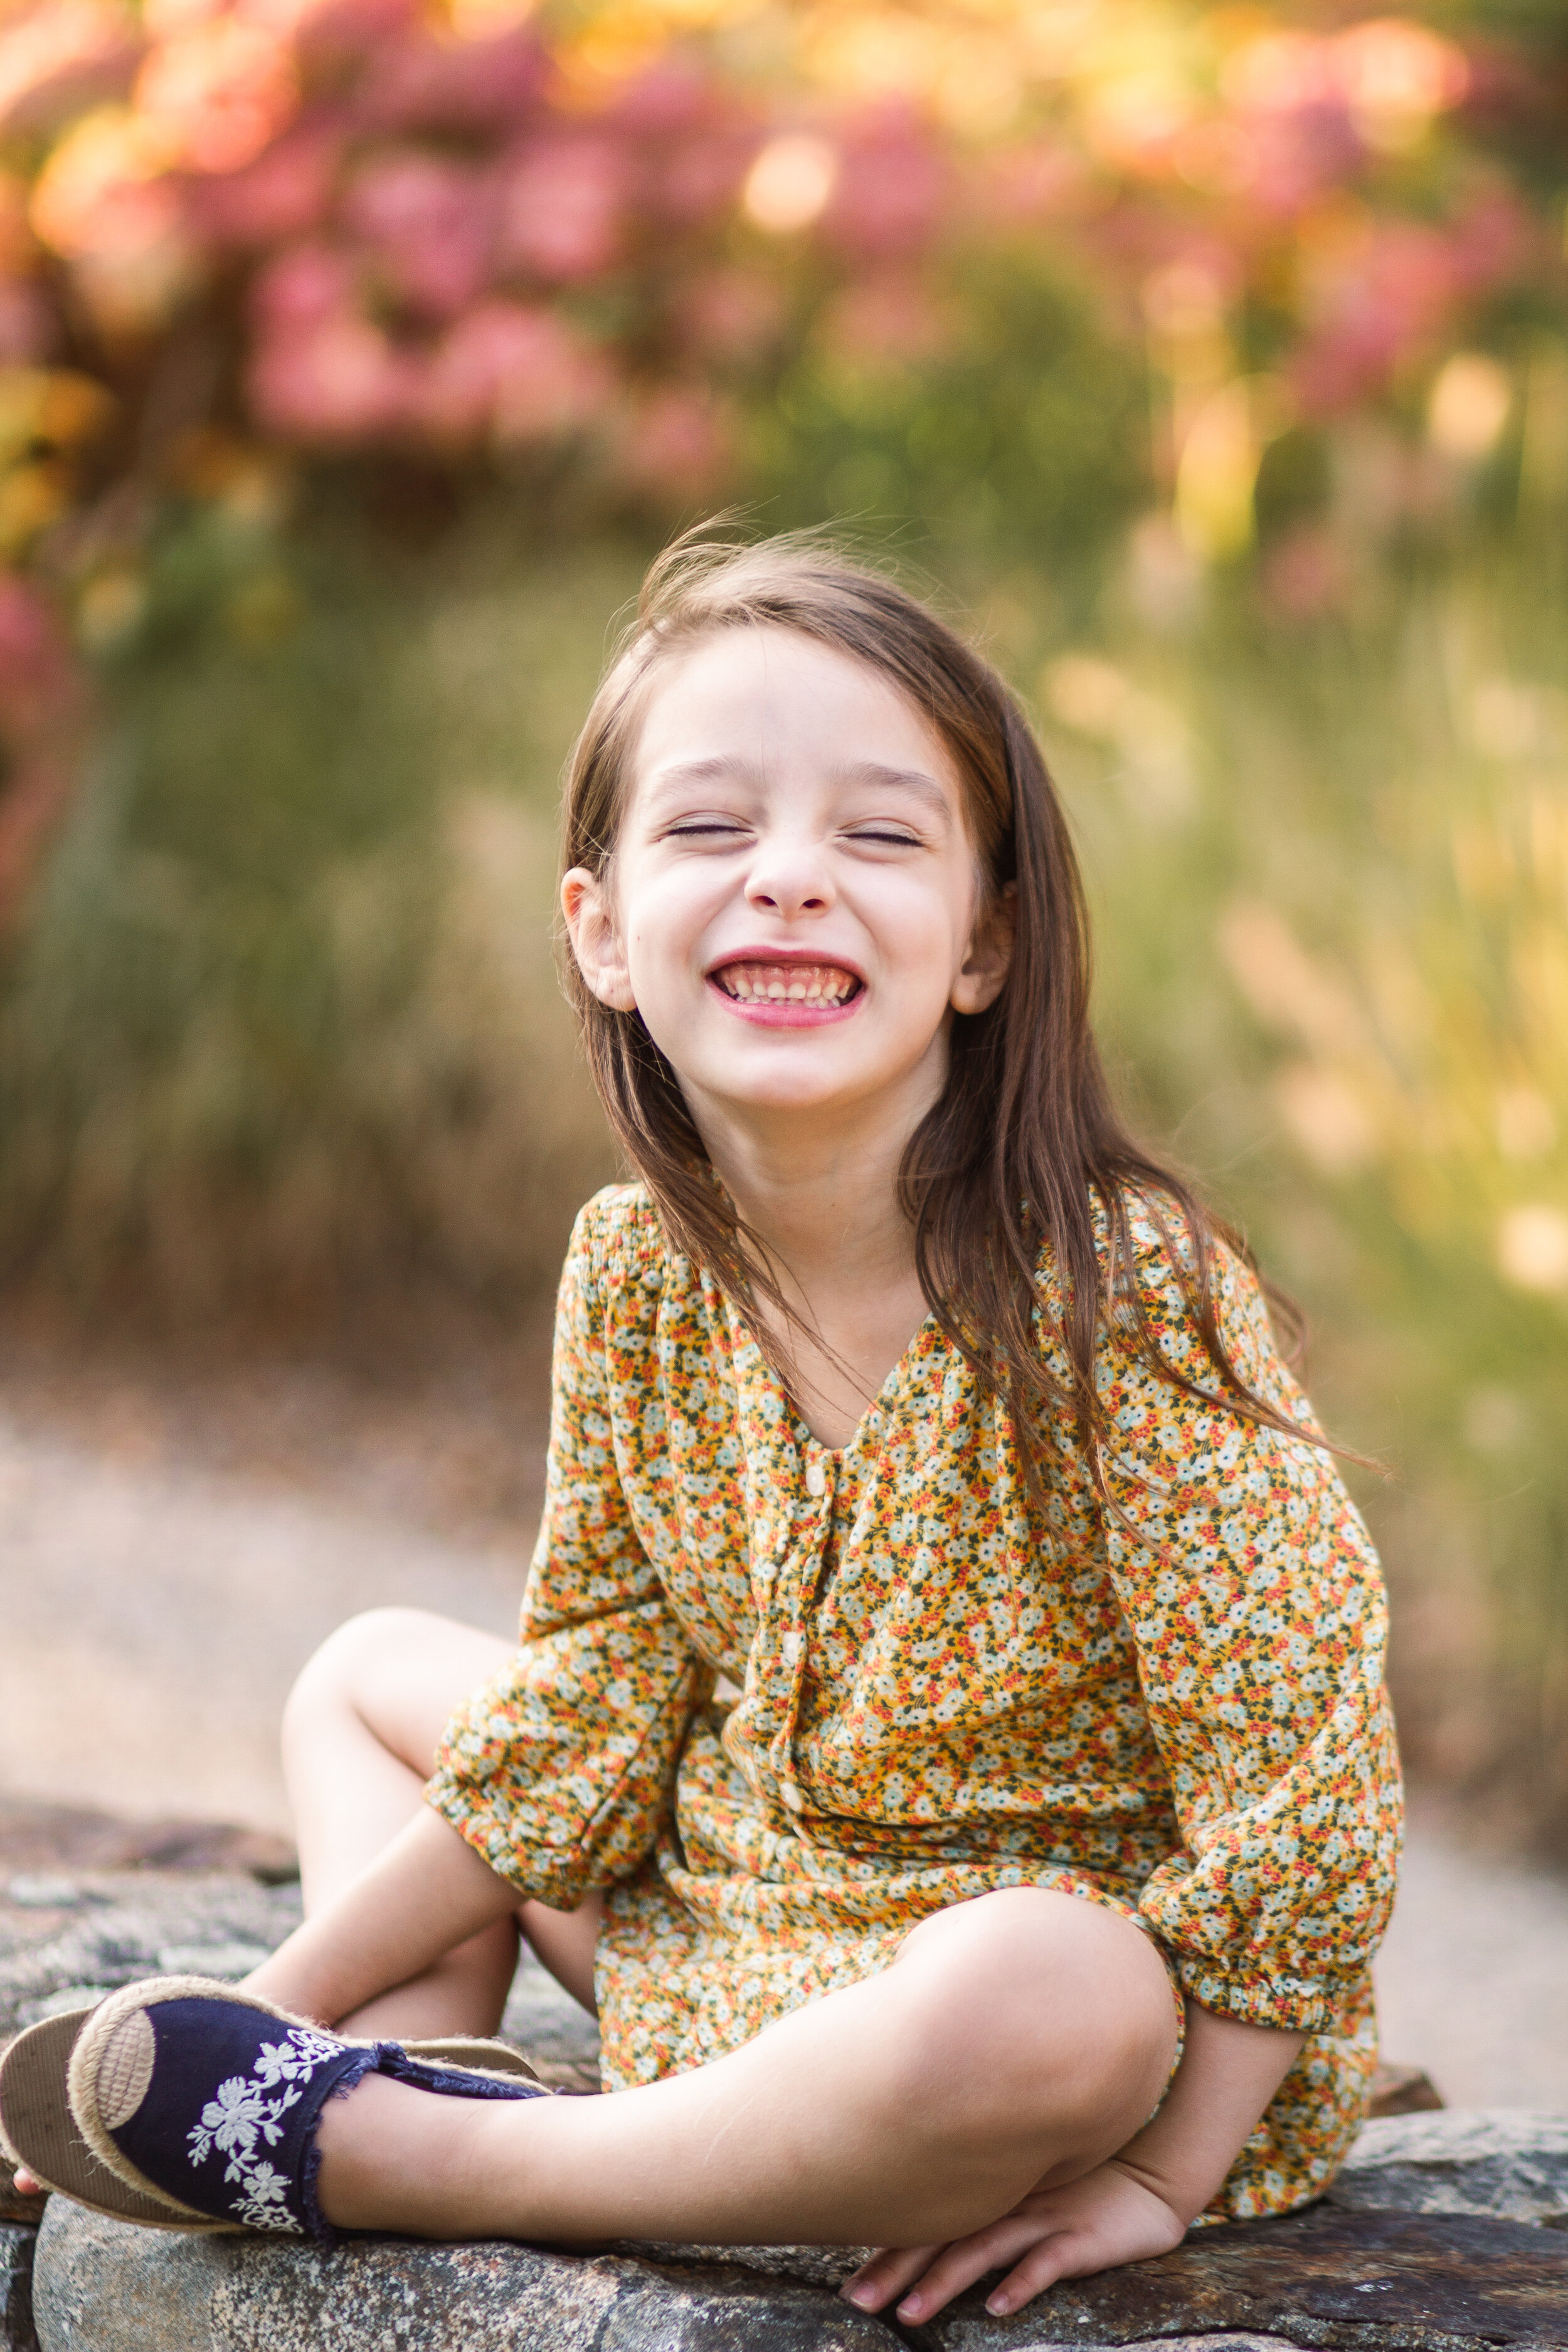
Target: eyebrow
x=873 y=772
x=700 y=772
x=913 y=781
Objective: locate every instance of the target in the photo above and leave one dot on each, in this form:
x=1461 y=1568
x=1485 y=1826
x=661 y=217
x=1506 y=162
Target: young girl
x=947 y=1739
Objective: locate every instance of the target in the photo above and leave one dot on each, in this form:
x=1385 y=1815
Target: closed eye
x=885 y=838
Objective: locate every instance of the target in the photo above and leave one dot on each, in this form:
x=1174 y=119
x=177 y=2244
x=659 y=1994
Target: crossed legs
x=1017 y=2039
x=984 y=2105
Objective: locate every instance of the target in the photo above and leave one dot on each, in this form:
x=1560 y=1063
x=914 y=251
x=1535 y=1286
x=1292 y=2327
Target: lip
x=784 y=955
x=786 y=1014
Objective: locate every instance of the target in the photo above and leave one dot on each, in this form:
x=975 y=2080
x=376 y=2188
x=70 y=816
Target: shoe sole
x=42 y=2134
x=476 y=2056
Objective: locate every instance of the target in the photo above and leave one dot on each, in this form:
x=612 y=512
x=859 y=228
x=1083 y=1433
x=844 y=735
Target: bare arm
x=1228 y=2075
x=423 y=1893
x=1137 y=2205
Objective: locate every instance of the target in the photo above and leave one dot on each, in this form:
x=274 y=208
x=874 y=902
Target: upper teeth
x=798 y=983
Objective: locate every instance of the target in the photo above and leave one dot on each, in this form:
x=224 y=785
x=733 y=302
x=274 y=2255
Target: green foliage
x=1023 y=433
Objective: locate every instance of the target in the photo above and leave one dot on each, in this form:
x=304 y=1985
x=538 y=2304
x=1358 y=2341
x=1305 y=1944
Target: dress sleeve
x=560 y=1771
x=1256 y=1607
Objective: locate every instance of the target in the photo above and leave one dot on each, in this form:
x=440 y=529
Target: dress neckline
x=881 y=1403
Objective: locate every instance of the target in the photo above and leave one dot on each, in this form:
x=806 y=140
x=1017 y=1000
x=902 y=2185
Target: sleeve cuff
x=1274 y=1997
x=560 y=1880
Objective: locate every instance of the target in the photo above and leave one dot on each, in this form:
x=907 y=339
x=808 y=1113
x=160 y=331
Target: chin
x=782 y=1089
x=787 y=1098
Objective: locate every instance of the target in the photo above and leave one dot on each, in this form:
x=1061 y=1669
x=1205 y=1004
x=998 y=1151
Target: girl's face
x=793 y=902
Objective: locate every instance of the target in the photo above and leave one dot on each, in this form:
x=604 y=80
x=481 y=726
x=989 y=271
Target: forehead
x=771 y=699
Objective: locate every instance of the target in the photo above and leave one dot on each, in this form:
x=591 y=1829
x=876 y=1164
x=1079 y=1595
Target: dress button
x=815 y=1479
x=790 y=1792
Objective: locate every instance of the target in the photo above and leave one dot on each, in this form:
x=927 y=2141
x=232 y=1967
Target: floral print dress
x=946 y=1686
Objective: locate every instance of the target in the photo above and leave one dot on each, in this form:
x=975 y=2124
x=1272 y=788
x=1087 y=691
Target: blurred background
x=1210 y=363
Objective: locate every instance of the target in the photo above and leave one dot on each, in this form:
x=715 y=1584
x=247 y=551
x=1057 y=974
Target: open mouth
x=822 y=985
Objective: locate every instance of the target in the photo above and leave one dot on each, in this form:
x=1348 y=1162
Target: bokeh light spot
x=1469 y=405
x=1532 y=1249
x=789 y=182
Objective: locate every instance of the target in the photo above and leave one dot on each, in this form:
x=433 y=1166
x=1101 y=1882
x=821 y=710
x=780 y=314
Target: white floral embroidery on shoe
x=237 y=2116
x=294 y=2059
x=262 y=2204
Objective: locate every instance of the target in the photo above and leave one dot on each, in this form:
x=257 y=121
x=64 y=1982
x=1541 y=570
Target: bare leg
x=1020 y=2036
x=359 y=1734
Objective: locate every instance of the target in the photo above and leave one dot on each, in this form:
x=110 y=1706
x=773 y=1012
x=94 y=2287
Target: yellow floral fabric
x=946 y=1687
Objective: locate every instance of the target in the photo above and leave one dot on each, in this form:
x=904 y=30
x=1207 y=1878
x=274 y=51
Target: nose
x=789 y=877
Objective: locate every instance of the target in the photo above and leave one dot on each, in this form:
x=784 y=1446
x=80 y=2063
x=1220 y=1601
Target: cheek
x=934 y=927
x=659 y=912
x=661 y=924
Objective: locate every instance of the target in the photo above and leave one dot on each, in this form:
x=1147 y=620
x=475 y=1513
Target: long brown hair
x=1026 y=1138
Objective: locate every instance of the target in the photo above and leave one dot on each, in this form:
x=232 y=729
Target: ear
x=984 y=968
x=595 y=943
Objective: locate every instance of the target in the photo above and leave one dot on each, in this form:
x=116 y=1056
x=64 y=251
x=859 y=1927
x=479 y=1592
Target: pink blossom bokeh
x=429 y=227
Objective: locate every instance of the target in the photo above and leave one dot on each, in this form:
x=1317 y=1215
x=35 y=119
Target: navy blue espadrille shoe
x=202 y=2102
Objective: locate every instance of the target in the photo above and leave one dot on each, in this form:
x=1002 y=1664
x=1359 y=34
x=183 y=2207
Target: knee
x=343 y=1675
x=1057 y=2006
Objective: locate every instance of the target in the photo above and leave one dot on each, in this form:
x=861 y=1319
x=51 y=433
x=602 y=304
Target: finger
x=1066 y=2255
x=967 y=2259
x=873 y=2287
x=24 y=2182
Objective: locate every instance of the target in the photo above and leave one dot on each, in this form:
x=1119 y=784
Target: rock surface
x=1376 y=2282
x=1424 y=2250
x=37 y=1836
x=1505 y=2162
x=67 y=1937
x=16 y=2290
x=103 y=2286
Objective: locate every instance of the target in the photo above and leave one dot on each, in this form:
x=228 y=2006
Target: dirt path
x=161 y=1580
x=179 y=1529
x=1473 y=1978
x=155 y=1618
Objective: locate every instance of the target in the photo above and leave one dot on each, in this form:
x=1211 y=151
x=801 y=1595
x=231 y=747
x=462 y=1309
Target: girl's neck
x=824 y=1204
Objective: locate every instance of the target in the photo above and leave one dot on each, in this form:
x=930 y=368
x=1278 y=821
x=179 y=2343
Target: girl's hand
x=1109 y=2216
